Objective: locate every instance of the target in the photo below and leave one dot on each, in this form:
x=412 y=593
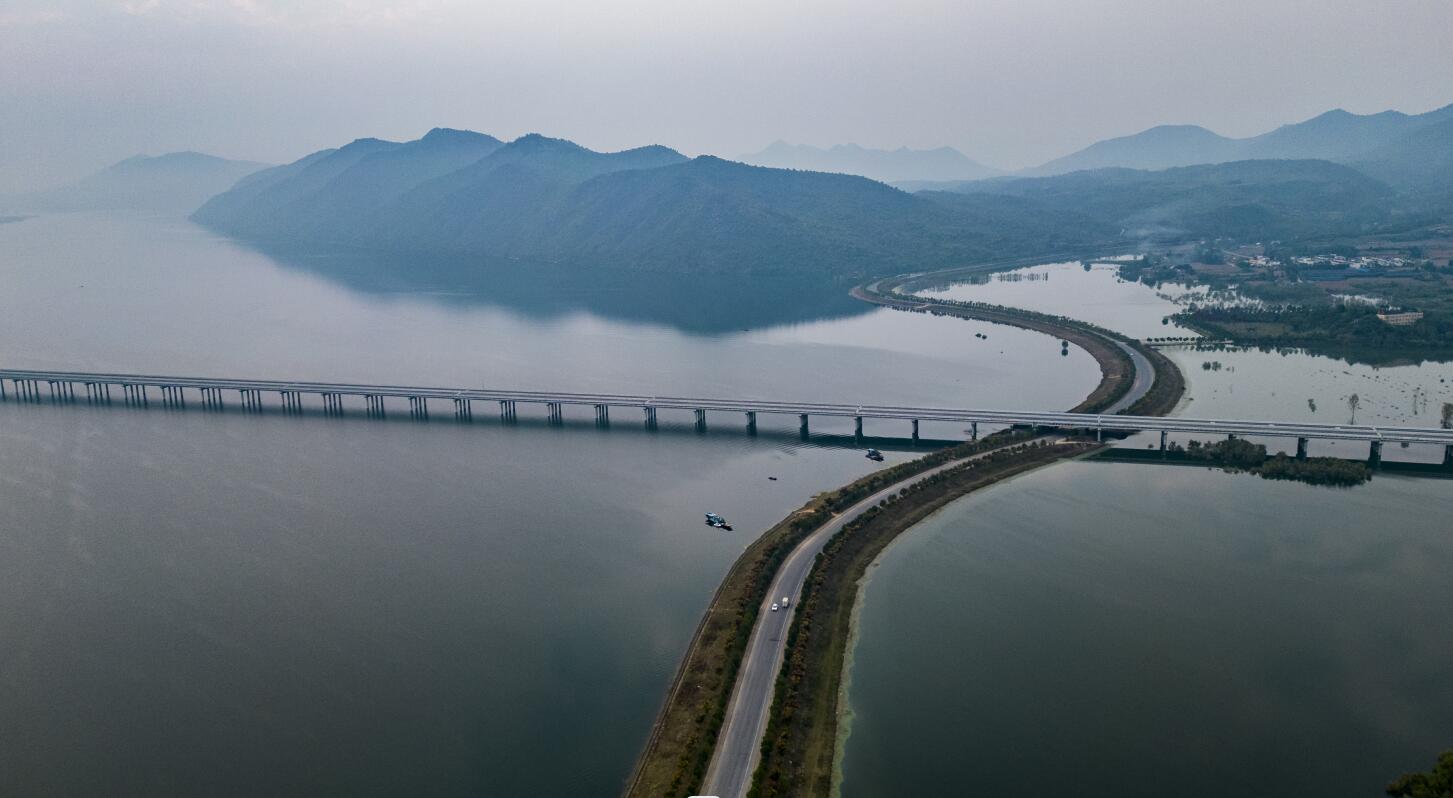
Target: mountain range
x=1385 y=144
x=549 y=201
x=177 y=182
x=888 y=166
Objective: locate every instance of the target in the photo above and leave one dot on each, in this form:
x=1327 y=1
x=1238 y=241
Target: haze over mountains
x=178 y=182
x=888 y=166
x=1335 y=136
x=1271 y=199
x=651 y=209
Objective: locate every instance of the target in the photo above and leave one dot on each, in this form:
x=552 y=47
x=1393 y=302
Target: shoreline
x=684 y=737
x=791 y=762
x=845 y=709
x=799 y=748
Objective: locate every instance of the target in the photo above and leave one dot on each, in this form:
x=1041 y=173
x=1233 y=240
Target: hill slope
x=1242 y=199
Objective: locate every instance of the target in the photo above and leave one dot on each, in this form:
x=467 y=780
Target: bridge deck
x=1220 y=427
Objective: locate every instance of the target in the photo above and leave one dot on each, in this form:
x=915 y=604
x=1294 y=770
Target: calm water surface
x=1136 y=630
x=1139 y=630
x=1252 y=384
x=199 y=603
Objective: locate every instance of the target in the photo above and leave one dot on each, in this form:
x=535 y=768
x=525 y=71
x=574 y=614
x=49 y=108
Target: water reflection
x=698 y=304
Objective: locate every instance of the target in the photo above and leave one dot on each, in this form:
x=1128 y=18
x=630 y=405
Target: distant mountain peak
x=172 y=181
x=1337 y=135
x=449 y=134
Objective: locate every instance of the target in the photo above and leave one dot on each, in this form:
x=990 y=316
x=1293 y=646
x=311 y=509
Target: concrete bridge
x=212 y=392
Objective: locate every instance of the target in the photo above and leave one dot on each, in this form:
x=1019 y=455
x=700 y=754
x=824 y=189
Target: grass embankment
x=798 y=748
x=679 y=750
x=1117 y=371
x=1166 y=392
x=676 y=756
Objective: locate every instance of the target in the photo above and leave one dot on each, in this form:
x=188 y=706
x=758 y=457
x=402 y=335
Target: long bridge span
x=249 y=394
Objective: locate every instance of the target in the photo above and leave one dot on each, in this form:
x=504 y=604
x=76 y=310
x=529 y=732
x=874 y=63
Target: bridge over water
x=210 y=393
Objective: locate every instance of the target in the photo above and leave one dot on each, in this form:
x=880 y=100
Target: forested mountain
x=178 y=181
x=1243 y=199
x=1421 y=161
x=650 y=209
x=888 y=166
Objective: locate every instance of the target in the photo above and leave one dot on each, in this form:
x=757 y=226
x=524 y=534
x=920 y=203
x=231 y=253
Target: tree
x=1353 y=402
x=1437 y=783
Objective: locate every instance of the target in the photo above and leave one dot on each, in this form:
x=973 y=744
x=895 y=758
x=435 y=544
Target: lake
x=199 y=603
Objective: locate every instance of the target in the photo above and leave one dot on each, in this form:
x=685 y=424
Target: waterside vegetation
x=1235 y=454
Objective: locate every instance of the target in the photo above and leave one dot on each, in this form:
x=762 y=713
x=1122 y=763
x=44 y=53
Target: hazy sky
x=1010 y=82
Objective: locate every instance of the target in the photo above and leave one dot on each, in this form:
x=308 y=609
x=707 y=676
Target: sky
x=1011 y=83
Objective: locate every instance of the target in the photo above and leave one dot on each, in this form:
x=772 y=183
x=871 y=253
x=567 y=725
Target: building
x=1401 y=318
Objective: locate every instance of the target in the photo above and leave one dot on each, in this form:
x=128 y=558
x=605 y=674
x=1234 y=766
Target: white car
x=774 y=606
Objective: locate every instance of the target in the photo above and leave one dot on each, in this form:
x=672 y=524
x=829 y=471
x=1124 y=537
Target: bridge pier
x=1162 y=440
x=419 y=408
x=700 y=420
x=292 y=402
x=650 y=414
x=556 y=412
x=802 y=426
x=1301 y=448
x=751 y=422
x=858 y=428
x=602 y=415
x=1099 y=434
x=507 y=410
x=1448 y=455
x=973 y=430
x=1374 y=453
x=915 y=430
x=463 y=411
x=333 y=404
x=373 y=405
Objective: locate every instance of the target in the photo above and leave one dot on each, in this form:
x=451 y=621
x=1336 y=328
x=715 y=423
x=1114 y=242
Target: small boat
x=874 y=454
x=716 y=521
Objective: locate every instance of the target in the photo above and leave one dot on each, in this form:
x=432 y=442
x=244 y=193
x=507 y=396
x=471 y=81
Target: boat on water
x=716 y=521
x=874 y=454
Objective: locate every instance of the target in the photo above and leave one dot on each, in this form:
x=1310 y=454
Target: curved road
x=739 y=747
x=1140 y=386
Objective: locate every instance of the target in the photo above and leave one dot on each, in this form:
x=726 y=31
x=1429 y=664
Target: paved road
x=739 y=747
x=1144 y=378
